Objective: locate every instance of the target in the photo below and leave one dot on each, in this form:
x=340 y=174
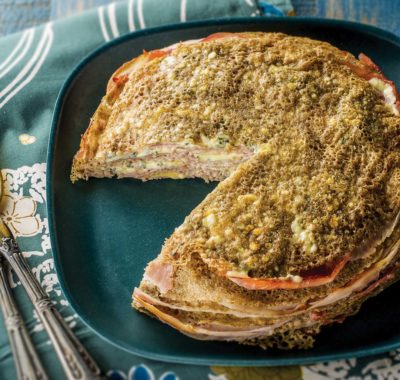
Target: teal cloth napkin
x=33 y=66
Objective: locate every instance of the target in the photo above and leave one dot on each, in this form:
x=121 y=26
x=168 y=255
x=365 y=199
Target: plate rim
x=57 y=111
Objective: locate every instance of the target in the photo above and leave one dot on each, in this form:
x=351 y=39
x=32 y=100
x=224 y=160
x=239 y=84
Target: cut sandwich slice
x=199 y=108
x=292 y=218
x=297 y=237
x=208 y=308
x=180 y=289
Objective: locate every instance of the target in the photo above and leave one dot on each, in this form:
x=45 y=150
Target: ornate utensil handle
x=76 y=361
x=25 y=356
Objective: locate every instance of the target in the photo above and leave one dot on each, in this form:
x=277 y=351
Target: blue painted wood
x=21 y=14
x=382 y=13
x=304 y=7
x=63 y=8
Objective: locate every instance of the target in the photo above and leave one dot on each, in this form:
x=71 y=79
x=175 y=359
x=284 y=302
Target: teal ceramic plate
x=103 y=232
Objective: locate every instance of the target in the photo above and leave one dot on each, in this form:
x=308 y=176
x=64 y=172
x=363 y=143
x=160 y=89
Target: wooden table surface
x=20 y=14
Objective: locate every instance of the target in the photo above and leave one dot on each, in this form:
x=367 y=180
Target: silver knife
x=76 y=361
x=27 y=362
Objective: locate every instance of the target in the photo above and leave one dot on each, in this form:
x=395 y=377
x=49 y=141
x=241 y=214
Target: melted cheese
x=304 y=236
x=223 y=156
x=157 y=164
x=388 y=93
x=216 y=153
x=168 y=174
x=162 y=149
x=216 y=142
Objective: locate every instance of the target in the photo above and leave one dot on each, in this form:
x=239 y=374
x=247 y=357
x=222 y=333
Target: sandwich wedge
x=199 y=108
x=305 y=139
x=289 y=242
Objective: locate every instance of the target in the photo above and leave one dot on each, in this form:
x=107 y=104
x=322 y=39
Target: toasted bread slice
x=186 y=295
x=199 y=108
x=291 y=217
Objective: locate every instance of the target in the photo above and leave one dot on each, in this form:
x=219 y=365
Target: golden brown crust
x=197 y=89
x=98 y=123
x=291 y=208
x=290 y=331
x=195 y=280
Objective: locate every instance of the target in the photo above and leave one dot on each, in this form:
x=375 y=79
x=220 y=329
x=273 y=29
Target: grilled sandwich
x=200 y=108
x=304 y=225
x=269 y=259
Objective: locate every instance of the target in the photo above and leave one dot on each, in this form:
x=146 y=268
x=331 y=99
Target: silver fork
x=27 y=362
x=76 y=361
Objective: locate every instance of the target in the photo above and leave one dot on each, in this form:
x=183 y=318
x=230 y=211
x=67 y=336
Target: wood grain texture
x=63 y=8
x=382 y=13
x=20 y=14
x=16 y=15
x=305 y=7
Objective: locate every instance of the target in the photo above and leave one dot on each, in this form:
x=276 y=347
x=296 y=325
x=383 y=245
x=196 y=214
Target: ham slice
x=156 y=302
x=319 y=276
x=272 y=312
x=360 y=282
x=218 y=36
x=365 y=282
x=368 y=62
x=211 y=332
x=157 y=53
x=153 y=54
x=371 y=70
x=389 y=276
x=160 y=274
